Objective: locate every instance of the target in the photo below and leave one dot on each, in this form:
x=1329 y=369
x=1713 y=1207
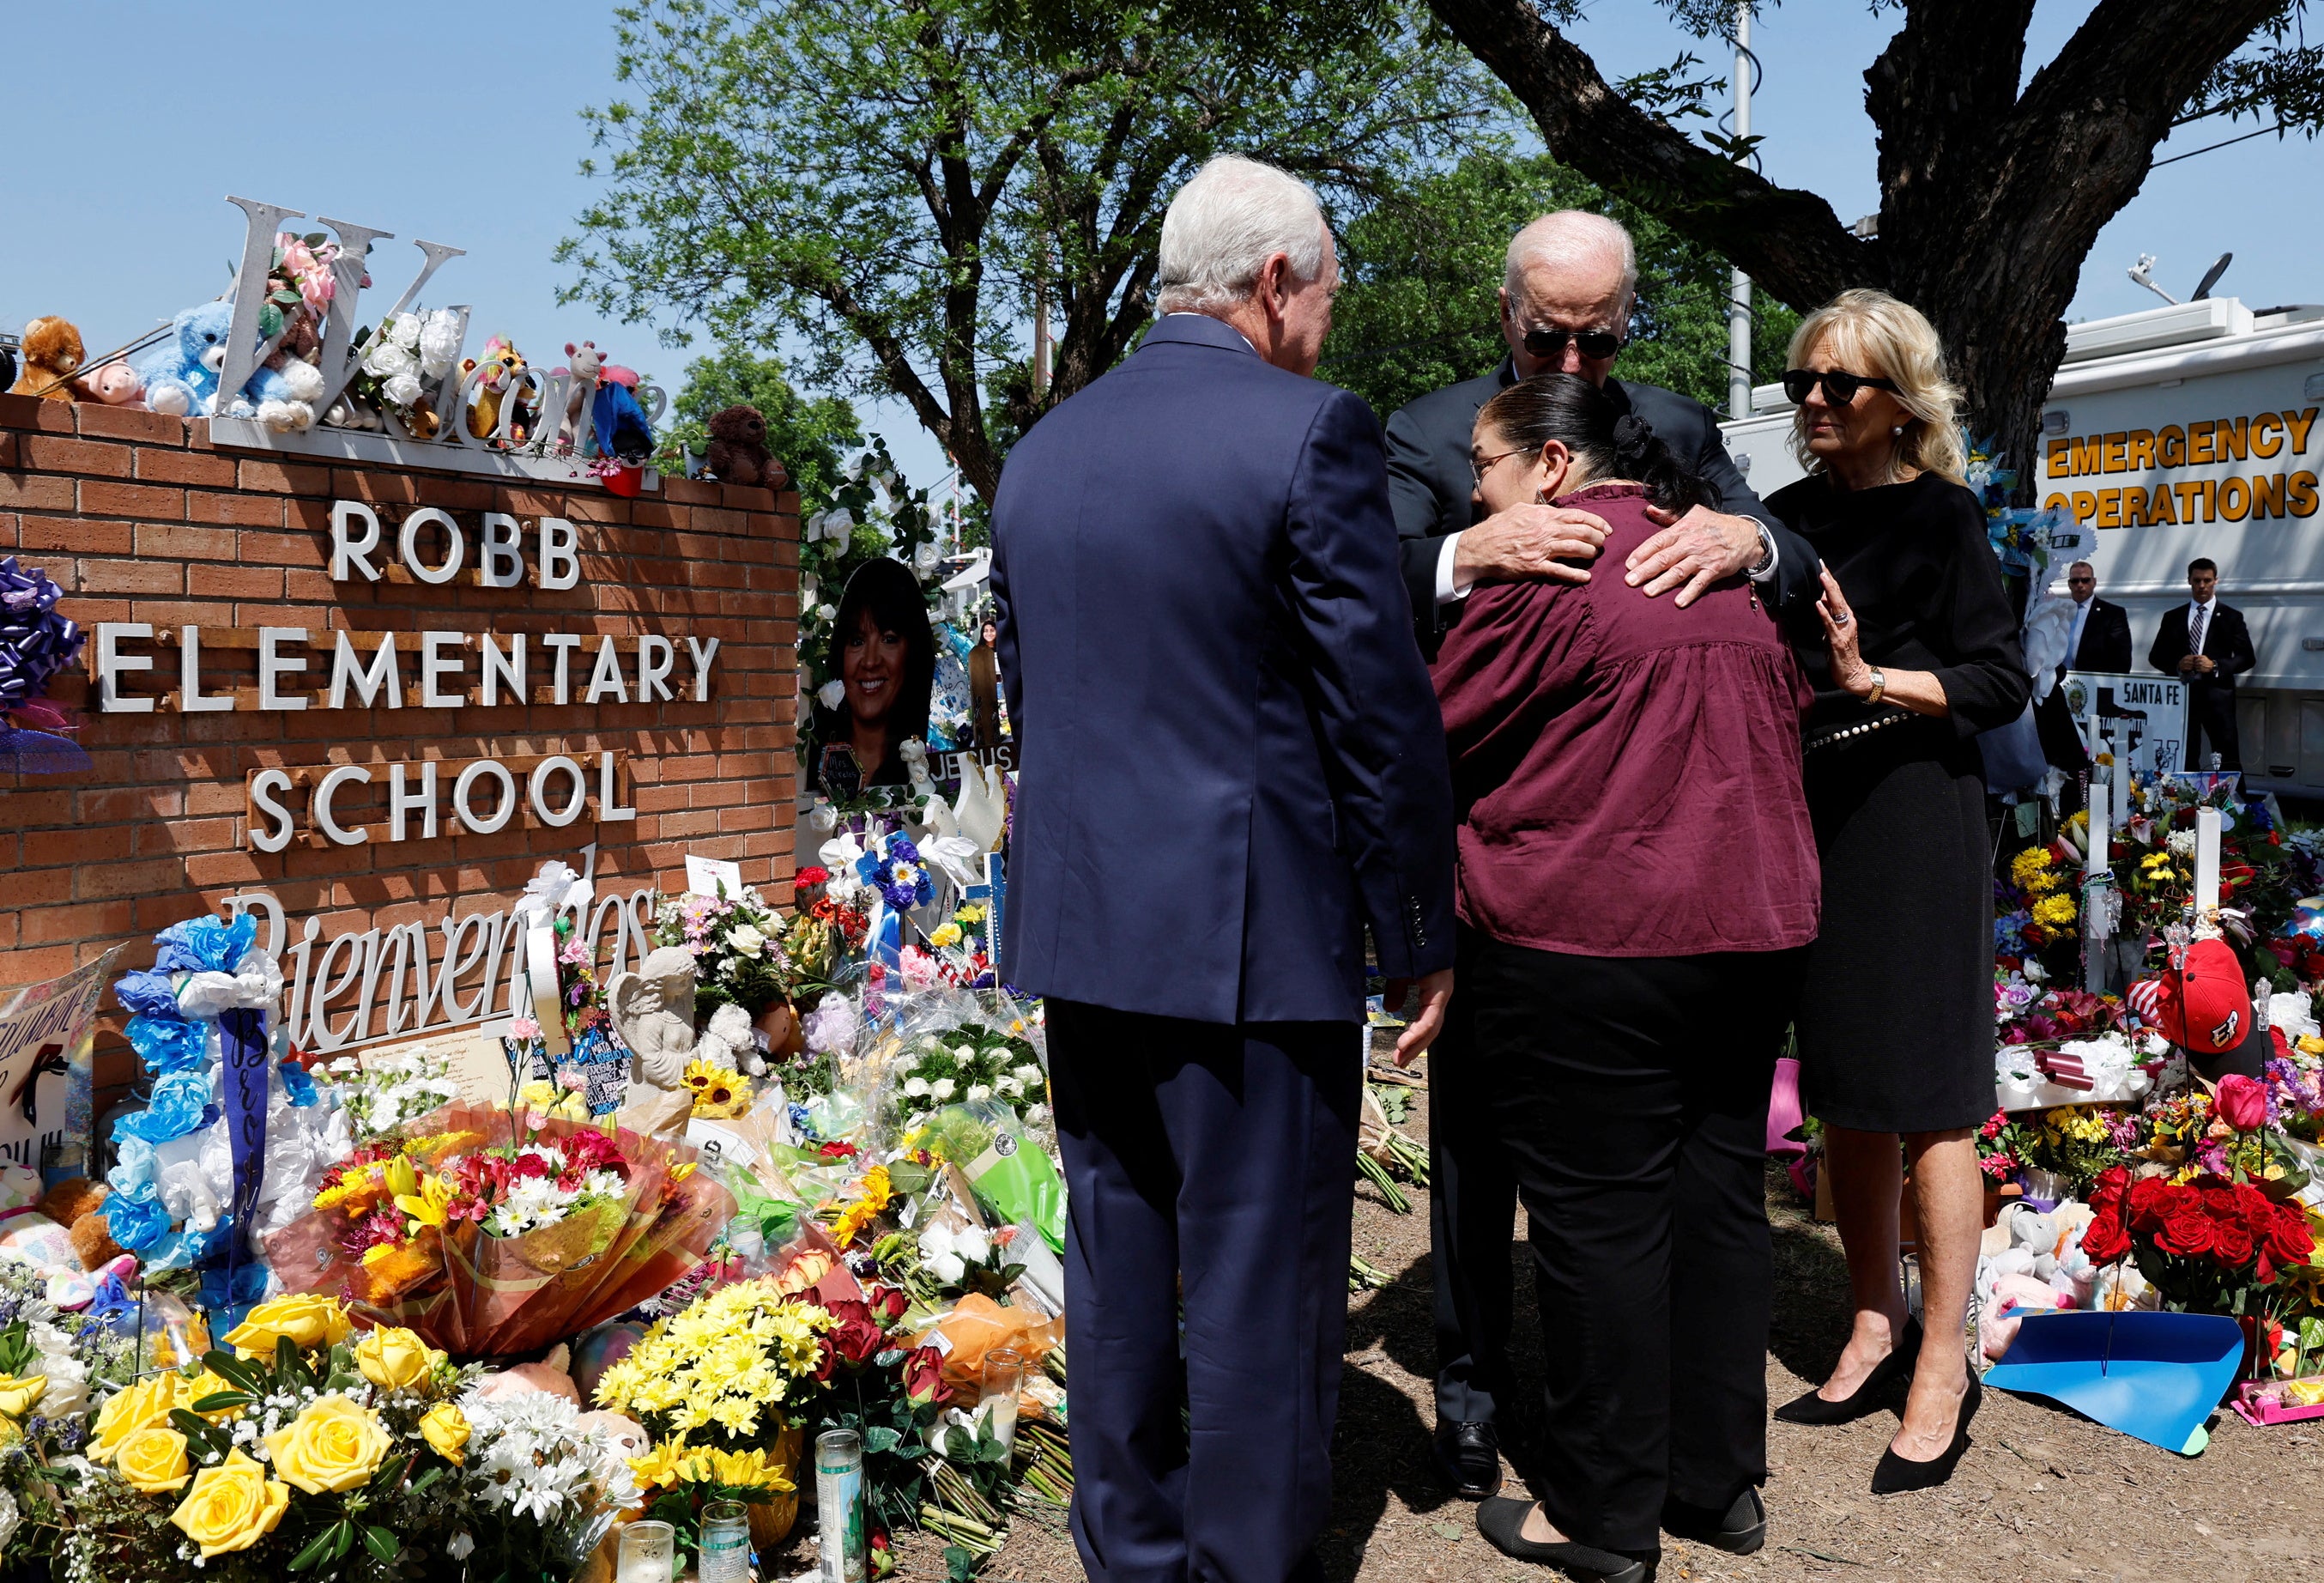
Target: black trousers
x=1472 y=1201
x=1633 y=1103
x=1207 y=1168
x=2211 y=725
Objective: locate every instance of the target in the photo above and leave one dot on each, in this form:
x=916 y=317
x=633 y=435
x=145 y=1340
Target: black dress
x=1896 y=1021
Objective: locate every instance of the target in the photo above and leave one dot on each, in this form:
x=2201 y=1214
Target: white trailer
x=2176 y=432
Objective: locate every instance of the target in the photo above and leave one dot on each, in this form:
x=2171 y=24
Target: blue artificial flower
x=168 y=1044
x=900 y=849
x=206 y=944
x=181 y=1104
x=298 y=1085
x=136 y=1220
x=249 y=1286
x=152 y=995
x=132 y=1166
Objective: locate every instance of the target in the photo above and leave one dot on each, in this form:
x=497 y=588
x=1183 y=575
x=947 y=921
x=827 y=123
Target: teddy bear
x=78 y=1205
x=738 y=449
x=52 y=355
x=586 y=364
x=181 y=375
x=115 y=384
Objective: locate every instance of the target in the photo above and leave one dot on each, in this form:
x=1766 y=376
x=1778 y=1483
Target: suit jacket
x=2105 y=639
x=1430 y=483
x=2226 y=639
x=1230 y=753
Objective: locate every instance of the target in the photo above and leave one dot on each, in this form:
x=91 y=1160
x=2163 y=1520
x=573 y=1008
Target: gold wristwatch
x=1880 y=685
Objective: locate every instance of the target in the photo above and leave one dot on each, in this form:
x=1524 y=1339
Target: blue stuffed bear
x=181 y=375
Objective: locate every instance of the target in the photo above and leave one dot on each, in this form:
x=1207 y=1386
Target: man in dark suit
x=2208 y=643
x=1565 y=308
x=2100 y=640
x=1232 y=763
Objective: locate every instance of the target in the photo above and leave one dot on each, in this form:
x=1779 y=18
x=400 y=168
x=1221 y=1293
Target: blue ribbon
x=242 y=1043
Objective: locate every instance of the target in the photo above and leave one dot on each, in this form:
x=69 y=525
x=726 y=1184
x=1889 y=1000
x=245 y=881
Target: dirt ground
x=2042 y=1494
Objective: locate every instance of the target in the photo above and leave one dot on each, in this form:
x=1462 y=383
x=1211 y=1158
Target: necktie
x=2197 y=628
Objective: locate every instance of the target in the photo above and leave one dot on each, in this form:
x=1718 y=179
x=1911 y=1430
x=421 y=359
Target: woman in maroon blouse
x=1637 y=879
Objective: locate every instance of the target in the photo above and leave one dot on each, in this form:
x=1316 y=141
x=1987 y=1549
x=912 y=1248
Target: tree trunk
x=1990 y=199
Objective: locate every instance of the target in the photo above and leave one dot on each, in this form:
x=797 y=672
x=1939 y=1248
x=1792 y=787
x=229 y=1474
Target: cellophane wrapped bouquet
x=491 y=1233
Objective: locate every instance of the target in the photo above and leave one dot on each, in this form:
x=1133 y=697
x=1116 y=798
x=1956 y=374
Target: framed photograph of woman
x=885 y=654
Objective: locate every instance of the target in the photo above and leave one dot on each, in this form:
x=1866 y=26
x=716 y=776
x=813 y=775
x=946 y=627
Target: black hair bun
x=1634 y=438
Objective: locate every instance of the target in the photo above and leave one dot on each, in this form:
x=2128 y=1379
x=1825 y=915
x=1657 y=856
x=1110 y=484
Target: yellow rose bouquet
x=302 y=1445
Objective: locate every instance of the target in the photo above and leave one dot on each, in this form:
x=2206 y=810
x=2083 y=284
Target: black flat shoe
x=1896 y=1475
x=1501 y=1520
x=1468 y=1458
x=1870 y=1396
x=1739 y=1530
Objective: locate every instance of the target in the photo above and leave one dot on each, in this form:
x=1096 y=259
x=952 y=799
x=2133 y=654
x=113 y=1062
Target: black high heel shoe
x=1869 y=1396
x=1895 y=1474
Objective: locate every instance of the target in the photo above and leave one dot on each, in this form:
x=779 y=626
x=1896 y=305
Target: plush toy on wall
x=503 y=366
x=115 y=384
x=50 y=356
x=738 y=449
x=181 y=375
x=623 y=430
x=585 y=364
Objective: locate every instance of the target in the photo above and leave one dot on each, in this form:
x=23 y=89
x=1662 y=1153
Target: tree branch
x=1790 y=241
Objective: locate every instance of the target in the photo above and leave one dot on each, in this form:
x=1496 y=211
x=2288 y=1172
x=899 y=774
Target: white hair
x=1225 y=224
x=1571 y=239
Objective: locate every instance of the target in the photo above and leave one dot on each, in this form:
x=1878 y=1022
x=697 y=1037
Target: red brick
x=35 y=491
x=146 y=501
x=31 y=967
x=22 y=411
x=162 y=542
x=207 y=468
x=132 y=577
x=74 y=535
x=82 y=920
x=91 y=458
x=234 y=582
x=38 y=887
x=285 y=477
x=244 y=511
x=126 y=424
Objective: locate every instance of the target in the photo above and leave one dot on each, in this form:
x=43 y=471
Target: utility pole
x=1738 y=290
x=1041 y=319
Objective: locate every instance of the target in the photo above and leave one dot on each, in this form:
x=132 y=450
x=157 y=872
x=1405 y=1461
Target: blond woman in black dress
x=1917 y=651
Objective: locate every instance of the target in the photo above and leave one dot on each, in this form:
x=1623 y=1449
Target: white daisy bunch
x=529 y=1456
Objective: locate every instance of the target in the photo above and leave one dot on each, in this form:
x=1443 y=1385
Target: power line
x=2191 y=152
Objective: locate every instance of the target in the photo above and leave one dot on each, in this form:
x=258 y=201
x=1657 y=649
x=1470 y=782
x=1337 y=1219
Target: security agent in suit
x=1565 y=303
x=2099 y=642
x=1231 y=764
x=2208 y=643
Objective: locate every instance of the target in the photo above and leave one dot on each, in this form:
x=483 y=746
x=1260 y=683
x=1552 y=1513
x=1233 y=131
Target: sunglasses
x=1839 y=388
x=1551 y=343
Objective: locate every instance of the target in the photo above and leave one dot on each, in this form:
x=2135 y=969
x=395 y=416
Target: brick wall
x=138 y=518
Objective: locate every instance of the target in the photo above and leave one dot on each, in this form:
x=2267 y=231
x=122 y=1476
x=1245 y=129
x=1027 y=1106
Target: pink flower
x=2242 y=1103
x=524 y=1028
x=573 y=1079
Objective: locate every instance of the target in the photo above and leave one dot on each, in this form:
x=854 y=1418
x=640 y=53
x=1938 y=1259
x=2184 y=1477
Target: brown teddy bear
x=738 y=449
x=79 y=1205
x=52 y=354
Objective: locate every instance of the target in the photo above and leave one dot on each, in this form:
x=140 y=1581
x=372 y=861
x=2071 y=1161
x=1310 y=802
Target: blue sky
x=459 y=123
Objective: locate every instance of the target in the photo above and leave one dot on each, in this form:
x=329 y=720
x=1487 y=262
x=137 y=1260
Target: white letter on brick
x=502 y=562
x=347 y=552
x=382 y=674
x=272 y=666
x=560 y=567
x=702 y=657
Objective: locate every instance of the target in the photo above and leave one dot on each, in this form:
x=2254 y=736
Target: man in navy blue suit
x=1230 y=764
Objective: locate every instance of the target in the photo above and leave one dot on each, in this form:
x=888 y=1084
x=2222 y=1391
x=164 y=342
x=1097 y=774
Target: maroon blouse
x=1627 y=772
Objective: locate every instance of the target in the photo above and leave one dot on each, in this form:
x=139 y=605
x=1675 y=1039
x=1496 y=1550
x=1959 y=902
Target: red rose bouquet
x=2208 y=1246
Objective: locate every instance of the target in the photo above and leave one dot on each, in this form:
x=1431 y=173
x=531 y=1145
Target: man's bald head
x=1583 y=250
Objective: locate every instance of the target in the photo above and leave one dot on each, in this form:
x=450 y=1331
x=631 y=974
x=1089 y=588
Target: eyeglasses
x=1550 y=344
x=1478 y=466
x=1840 y=388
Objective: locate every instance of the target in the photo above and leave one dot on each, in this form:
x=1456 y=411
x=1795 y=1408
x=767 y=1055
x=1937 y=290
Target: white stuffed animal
x=731 y=1042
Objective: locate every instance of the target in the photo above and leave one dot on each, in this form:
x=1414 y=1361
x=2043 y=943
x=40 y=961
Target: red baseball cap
x=2201 y=1002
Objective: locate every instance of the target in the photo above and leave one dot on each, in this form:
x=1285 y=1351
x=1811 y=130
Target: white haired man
x=1230 y=763
x=1565 y=297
